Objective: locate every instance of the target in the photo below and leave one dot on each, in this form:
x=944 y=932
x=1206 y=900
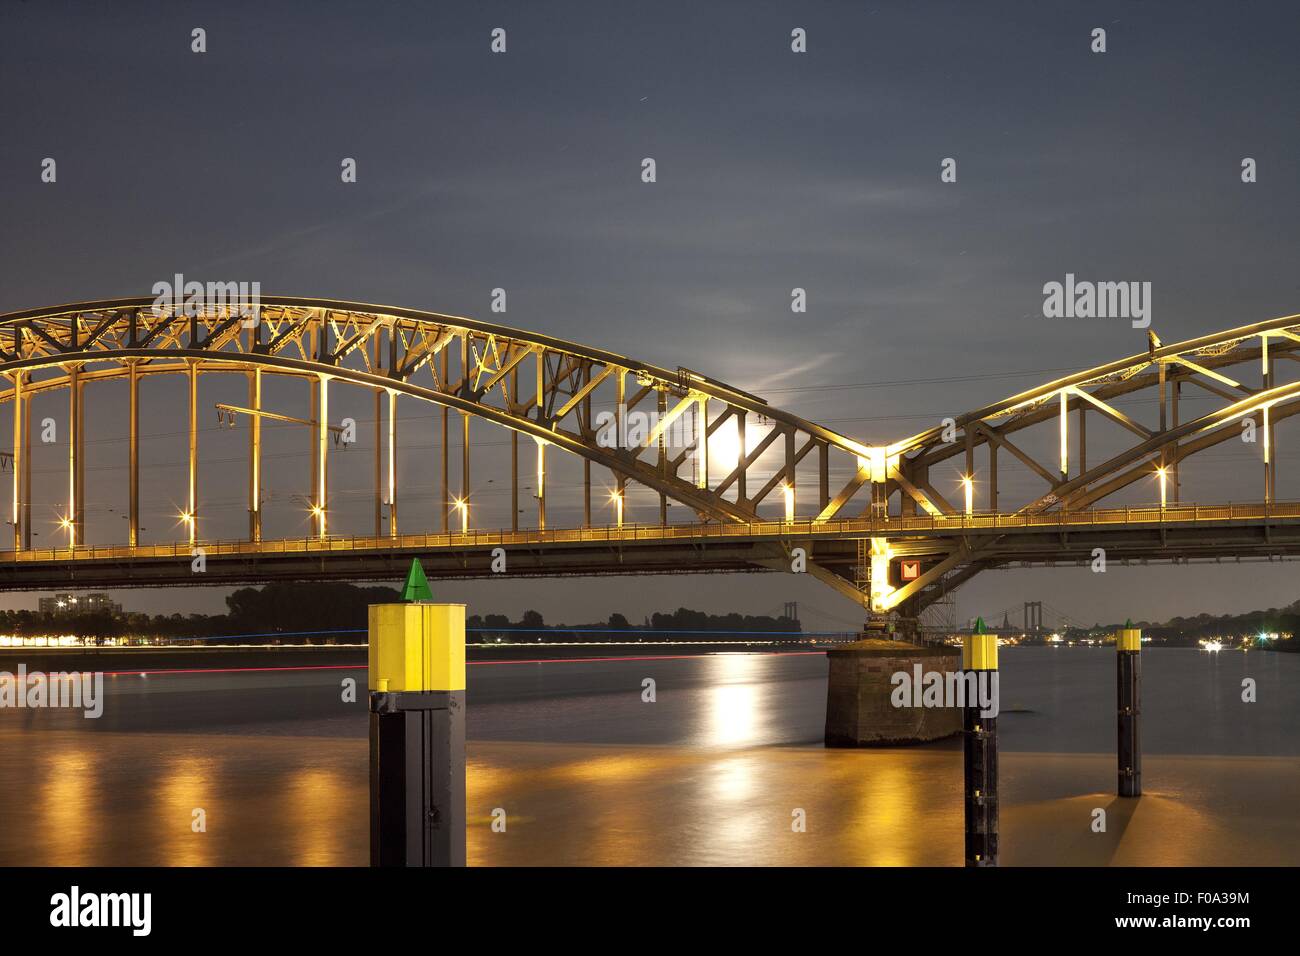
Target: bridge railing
x=633 y=533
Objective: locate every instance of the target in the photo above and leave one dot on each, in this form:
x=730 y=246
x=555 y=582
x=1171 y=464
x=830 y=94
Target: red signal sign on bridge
x=909 y=570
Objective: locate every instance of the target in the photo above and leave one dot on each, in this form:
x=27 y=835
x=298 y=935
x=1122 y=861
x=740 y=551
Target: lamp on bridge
x=788 y=488
x=1163 y=474
x=461 y=505
x=968 y=485
x=616 y=498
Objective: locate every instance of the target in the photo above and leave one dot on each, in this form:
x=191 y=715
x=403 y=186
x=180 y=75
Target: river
x=714 y=771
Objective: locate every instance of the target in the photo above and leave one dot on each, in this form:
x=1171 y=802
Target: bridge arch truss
x=857 y=506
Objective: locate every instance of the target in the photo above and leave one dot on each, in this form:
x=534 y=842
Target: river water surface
x=714 y=771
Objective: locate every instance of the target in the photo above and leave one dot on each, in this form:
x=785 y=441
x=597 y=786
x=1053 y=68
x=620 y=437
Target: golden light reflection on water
x=732 y=778
x=1178 y=835
x=606 y=791
x=320 y=811
x=486 y=783
x=620 y=768
x=892 y=804
x=732 y=818
x=185 y=784
x=67 y=804
x=734 y=703
x=614 y=828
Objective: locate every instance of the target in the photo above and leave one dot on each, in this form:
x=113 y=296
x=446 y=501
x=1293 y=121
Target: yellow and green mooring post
x=417 y=729
x=1128 y=684
x=980 y=749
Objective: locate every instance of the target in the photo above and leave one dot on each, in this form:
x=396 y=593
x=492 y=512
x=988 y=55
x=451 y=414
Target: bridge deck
x=1178 y=532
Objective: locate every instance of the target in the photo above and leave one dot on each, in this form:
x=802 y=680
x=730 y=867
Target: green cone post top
x=417 y=585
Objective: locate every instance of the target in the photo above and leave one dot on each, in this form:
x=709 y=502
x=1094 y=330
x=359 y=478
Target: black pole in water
x=417 y=730
x=980 y=750
x=1128 y=682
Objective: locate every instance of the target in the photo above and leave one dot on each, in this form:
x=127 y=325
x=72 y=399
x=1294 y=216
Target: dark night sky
x=775 y=170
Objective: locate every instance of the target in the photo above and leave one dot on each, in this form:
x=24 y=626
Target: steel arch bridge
x=760 y=482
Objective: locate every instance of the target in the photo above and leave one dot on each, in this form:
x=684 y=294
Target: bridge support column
x=980 y=749
x=742 y=455
x=25 y=502
x=417 y=734
x=379 y=452
x=586 y=462
x=255 y=457
x=514 y=481
x=75 y=465
x=464 y=465
x=192 y=495
x=392 y=464
x=133 y=453
x=17 y=460
x=446 y=444
x=320 y=454
x=1270 y=455
x=541 y=485
x=663 y=455
x=1128 y=685
x=863 y=708
x=81 y=462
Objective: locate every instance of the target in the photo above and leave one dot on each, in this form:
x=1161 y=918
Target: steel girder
x=1163 y=369
x=534 y=385
x=1158 y=448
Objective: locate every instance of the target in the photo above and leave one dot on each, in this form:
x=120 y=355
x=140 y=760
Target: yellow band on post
x=979 y=652
x=417 y=647
x=1129 y=639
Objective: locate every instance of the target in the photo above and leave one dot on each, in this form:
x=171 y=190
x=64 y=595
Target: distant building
x=95 y=602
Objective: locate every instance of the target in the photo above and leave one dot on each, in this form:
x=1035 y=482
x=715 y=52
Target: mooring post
x=980 y=747
x=1128 y=685
x=417 y=730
